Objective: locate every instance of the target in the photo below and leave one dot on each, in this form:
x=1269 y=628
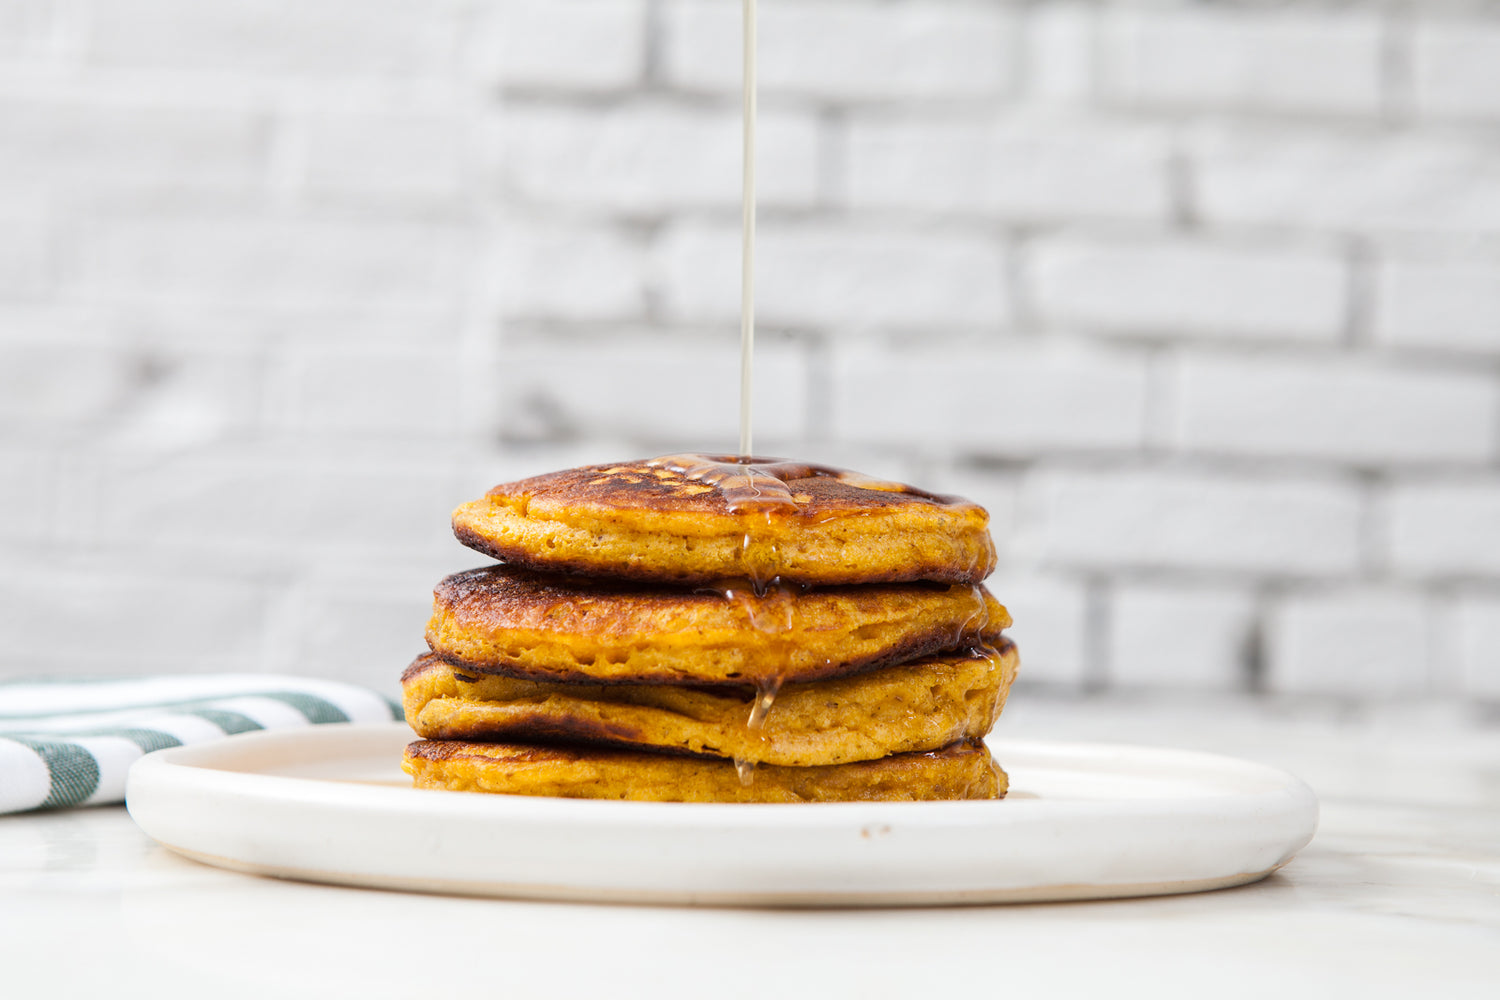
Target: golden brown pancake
x=961 y=771
x=921 y=705
x=685 y=519
x=546 y=627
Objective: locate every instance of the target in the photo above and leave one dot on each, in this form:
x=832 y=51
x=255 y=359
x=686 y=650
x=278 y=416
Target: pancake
x=922 y=705
x=961 y=771
x=546 y=627
x=691 y=519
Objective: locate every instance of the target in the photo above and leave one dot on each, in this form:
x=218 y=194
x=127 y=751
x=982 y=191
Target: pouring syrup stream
x=747 y=234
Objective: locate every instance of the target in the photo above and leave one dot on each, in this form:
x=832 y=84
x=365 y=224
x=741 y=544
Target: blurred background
x=1202 y=300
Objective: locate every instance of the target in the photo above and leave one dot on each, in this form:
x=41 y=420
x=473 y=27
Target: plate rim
x=1283 y=802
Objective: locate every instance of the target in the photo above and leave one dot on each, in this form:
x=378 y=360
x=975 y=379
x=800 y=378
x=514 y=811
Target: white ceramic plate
x=330 y=804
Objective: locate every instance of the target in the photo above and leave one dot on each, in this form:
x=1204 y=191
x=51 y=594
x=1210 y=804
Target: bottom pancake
x=922 y=705
x=960 y=771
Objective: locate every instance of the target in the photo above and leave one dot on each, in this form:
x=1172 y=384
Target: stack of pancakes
x=688 y=629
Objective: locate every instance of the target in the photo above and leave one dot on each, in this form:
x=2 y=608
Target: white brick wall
x=570 y=271
x=1177 y=636
x=1456 y=68
x=668 y=392
x=1203 y=299
x=364 y=157
x=1022 y=168
x=1339 y=410
x=1440 y=529
x=650 y=157
x=1446 y=301
x=1369 y=644
x=318 y=38
x=27 y=258
x=1006 y=402
x=1060 y=42
x=389 y=392
x=110 y=142
x=1146 y=520
x=88 y=618
x=1298 y=61
x=575 y=45
x=1181 y=287
x=25 y=494
x=1347 y=181
x=845 y=50
x=883 y=277
x=1475 y=631
x=257 y=261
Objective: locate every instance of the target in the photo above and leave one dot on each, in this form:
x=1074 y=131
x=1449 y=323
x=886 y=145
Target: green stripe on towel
x=75 y=773
x=318 y=710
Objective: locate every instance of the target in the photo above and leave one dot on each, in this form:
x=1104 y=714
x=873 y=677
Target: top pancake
x=694 y=520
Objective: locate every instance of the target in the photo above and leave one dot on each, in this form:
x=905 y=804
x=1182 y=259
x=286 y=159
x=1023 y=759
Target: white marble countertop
x=1398 y=895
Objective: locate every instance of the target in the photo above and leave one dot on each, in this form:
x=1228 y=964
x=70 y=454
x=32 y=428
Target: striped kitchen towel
x=69 y=742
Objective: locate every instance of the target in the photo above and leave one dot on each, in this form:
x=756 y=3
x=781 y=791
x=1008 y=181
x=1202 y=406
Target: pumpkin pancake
x=921 y=705
x=960 y=771
x=519 y=623
x=693 y=519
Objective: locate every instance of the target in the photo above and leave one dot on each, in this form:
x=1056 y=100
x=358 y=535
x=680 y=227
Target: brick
x=1333 y=182
x=1476 y=627
x=1300 y=61
x=1445 y=528
x=69 y=386
x=654 y=157
x=26 y=492
x=1060 y=39
x=1365 y=644
x=1189 y=288
x=847 y=276
x=1448 y=302
x=1339 y=409
x=1456 y=68
x=278 y=507
x=174 y=401
x=570 y=271
x=25 y=24
x=1170 y=519
x=361 y=631
x=310 y=38
x=580 y=45
x=559 y=391
x=26 y=251
x=1173 y=635
x=113 y=143
x=344 y=156
x=845 y=51
x=344 y=391
x=1034 y=400
x=58 y=385
x=1029 y=168
x=1051 y=626
x=270 y=262
x=92 y=620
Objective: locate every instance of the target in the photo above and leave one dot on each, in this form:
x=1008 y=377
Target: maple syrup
x=759 y=489
x=747 y=232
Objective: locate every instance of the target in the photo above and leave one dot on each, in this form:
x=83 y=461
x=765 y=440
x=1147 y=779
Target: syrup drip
x=760 y=491
x=747 y=233
x=770 y=610
x=765 y=697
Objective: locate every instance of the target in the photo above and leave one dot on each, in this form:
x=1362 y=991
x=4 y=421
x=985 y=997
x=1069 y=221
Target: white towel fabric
x=69 y=742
